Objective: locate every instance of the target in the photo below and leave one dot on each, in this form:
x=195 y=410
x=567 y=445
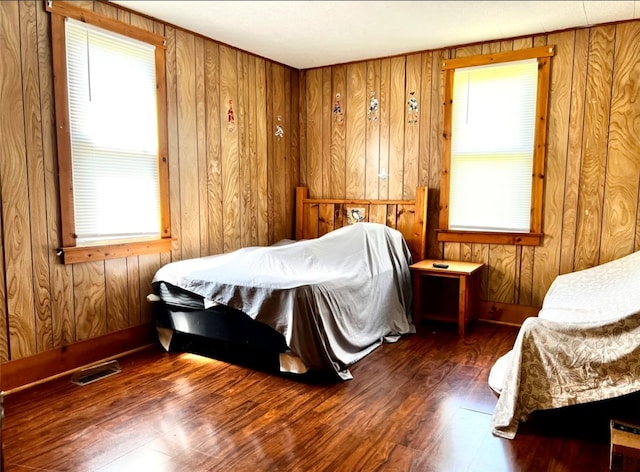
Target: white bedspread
x=334 y=299
x=584 y=345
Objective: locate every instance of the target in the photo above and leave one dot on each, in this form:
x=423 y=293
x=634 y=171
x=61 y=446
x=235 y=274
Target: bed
x=314 y=305
x=583 y=347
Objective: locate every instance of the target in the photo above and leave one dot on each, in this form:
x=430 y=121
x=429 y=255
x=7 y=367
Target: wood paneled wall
x=229 y=187
x=592 y=174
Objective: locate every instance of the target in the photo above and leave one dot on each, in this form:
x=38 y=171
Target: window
x=110 y=114
x=493 y=154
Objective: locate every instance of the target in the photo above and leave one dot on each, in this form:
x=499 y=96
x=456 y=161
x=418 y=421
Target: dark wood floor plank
x=420 y=404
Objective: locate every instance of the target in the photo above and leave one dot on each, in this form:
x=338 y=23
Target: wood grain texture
x=90 y=300
x=148 y=265
x=502 y=272
x=314 y=131
x=4 y=310
x=337 y=167
x=244 y=119
x=201 y=140
x=396 y=127
x=253 y=157
x=372 y=151
x=14 y=188
x=431 y=411
x=35 y=172
x=187 y=144
x=357 y=98
x=173 y=142
x=413 y=89
x=385 y=95
x=261 y=152
x=116 y=294
x=574 y=151
x=133 y=291
x=548 y=254
x=622 y=185
x=594 y=147
x=435 y=250
x=214 y=162
x=327 y=118
x=229 y=148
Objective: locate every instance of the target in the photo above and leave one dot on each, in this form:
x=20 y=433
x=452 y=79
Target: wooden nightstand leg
x=416 y=300
x=462 y=304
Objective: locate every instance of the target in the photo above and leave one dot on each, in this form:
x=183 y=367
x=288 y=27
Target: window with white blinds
x=492 y=148
x=114 y=135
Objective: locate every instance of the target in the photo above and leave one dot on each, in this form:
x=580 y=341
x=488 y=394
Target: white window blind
x=114 y=135
x=493 y=129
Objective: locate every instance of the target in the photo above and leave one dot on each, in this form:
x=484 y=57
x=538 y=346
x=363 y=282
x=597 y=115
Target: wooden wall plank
x=356 y=99
x=214 y=128
x=501 y=273
x=15 y=191
x=243 y=119
x=372 y=143
x=172 y=142
x=574 y=151
x=116 y=294
x=622 y=184
x=413 y=90
x=229 y=148
x=547 y=256
x=89 y=299
x=261 y=151
x=252 y=185
x=133 y=291
x=396 y=127
x=337 y=169
x=148 y=265
x=425 y=119
x=327 y=115
x=281 y=195
x=62 y=308
x=187 y=144
x=201 y=146
x=35 y=173
x=385 y=123
x=314 y=132
x=435 y=250
x=594 y=147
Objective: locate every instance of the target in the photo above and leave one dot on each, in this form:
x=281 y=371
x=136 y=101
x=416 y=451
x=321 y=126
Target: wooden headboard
x=316 y=217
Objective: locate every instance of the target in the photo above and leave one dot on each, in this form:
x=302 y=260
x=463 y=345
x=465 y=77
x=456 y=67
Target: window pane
x=493 y=128
x=114 y=135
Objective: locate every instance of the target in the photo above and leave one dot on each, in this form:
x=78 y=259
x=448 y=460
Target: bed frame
x=316 y=217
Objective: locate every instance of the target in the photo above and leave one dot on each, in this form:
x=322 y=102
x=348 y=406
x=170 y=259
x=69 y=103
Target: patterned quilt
x=584 y=345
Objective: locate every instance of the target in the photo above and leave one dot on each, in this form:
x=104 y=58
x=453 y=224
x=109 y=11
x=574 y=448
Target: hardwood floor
x=421 y=404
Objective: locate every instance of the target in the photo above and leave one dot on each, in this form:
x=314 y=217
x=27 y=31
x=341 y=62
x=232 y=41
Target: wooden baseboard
x=505 y=313
x=49 y=364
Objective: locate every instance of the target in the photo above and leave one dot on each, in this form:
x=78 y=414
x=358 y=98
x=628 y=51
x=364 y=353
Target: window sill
x=75 y=255
x=488 y=237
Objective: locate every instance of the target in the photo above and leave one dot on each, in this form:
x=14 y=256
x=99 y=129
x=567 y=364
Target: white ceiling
x=306 y=34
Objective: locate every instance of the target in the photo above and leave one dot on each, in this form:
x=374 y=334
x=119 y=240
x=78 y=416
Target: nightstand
x=467 y=275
